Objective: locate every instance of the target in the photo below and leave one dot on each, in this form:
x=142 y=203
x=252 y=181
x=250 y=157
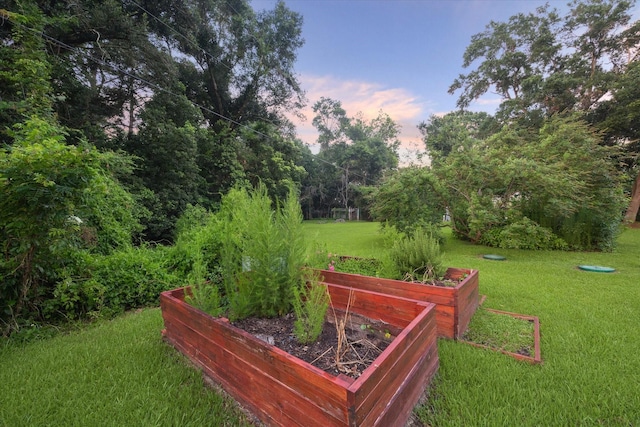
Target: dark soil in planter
x=365 y=340
x=445 y=283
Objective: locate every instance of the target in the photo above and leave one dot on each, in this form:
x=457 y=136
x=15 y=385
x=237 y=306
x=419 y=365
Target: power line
x=153 y=85
x=187 y=39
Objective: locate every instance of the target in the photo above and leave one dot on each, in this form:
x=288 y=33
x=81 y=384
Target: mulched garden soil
x=365 y=340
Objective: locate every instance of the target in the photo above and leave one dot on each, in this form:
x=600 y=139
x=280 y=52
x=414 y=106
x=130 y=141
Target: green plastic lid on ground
x=494 y=257
x=597 y=268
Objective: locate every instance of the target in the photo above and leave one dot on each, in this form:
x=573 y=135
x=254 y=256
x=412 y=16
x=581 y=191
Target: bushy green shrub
x=562 y=177
x=56 y=200
x=261 y=253
x=523 y=234
x=310 y=305
x=417 y=257
x=406 y=199
x=126 y=279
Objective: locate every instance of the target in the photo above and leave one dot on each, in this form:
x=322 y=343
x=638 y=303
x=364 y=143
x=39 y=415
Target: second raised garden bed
x=455 y=306
x=282 y=390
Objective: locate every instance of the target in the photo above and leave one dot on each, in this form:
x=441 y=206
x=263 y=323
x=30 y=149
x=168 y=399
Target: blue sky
x=398 y=56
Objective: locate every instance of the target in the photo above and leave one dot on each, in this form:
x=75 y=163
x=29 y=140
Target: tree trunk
x=632 y=211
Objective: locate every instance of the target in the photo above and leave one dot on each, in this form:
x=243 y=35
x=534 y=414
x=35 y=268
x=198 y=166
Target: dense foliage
x=259 y=253
x=408 y=200
x=354 y=156
x=57 y=201
x=543 y=64
x=123 y=125
x=553 y=189
x=196 y=91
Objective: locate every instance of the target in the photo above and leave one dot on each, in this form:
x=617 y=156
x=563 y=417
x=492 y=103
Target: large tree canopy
x=542 y=64
x=553 y=188
x=192 y=88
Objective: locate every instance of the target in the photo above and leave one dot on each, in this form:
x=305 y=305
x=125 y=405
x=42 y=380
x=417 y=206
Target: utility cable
x=154 y=86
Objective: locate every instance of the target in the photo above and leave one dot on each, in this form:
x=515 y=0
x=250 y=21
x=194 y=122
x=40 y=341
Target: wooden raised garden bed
x=282 y=390
x=455 y=306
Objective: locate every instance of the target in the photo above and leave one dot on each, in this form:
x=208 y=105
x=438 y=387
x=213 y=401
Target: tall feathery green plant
x=263 y=251
x=310 y=305
x=417 y=257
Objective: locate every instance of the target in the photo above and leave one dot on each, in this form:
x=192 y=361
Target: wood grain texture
x=455 y=306
x=283 y=390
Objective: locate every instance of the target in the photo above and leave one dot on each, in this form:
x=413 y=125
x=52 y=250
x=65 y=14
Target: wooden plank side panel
x=213 y=335
x=273 y=402
x=430 y=293
x=399 y=409
x=377 y=387
x=398 y=288
x=377 y=306
x=445 y=319
x=467 y=302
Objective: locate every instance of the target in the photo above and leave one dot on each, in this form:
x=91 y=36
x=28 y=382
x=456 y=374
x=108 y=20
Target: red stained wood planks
x=283 y=390
x=455 y=305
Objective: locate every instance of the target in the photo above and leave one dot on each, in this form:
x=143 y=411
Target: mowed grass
x=121 y=373
x=590 y=337
x=117 y=373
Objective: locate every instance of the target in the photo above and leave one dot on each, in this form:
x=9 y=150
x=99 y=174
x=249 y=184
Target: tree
x=407 y=199
x=237 y=64
x=167 y=146
x=541 y=64
x=25 y=89
x=618 y=118
x=354 y=153
x=455 y=131
x=330 y=120
x=558 y=186
x=51 y=195
x=270 y=159
x=514 y=56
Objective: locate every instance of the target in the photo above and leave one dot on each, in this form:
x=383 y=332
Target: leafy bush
x=561 y=177
x=363 y=266
x=523 y=234
x=46 y=189
x=126 y=279
x=407 y=200
x=417 y=257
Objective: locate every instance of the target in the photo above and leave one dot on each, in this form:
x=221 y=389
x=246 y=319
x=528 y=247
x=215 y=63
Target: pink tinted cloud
x=367 y=98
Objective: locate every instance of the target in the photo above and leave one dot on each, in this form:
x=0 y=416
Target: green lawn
x=120 y=372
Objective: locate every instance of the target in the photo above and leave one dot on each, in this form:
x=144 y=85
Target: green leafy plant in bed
x=310 y=305
x=262 y=255
x=501 y=332
x=354 y=265
x=417 y=257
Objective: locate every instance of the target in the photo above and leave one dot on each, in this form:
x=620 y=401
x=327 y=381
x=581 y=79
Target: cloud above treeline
x=404 y=107
x=369 y=98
